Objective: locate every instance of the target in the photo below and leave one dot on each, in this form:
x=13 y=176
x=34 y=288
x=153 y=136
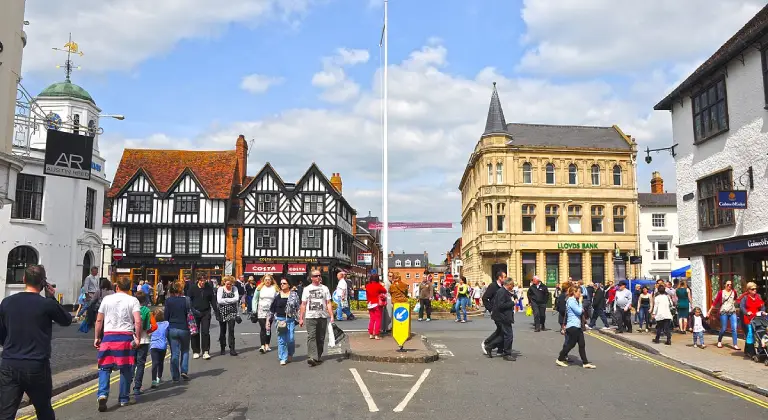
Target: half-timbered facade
x=290 y=228
x=170 y=211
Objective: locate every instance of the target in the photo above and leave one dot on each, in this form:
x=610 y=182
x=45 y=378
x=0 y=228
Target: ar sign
x=401 y=314
x=401 y=323
x=68 y=155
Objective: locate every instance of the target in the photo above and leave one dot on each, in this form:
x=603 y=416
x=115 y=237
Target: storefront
x=166 y=270
x=295 y=269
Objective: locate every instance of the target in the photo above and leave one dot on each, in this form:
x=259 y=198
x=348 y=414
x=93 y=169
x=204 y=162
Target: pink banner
x=411 y=225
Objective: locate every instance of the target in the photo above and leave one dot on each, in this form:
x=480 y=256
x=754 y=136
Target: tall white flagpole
x=385 y=210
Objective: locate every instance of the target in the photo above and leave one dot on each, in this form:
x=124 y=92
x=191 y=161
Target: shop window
x=619 y=215
x=722 y=269
x=598 y=212
x=500 y=210
x=527 y=173
x=551 y=213
x=550 y=174
x=575 y=265
x=529 y=267
x=499 y=173
x=29 y=197
x=529 y=218
x=598 y=268
x=661 y=251
x=710 y=216
x=490 y=174
x=595 y=175
x=710 y=113
x=19 y=259
x=553 y=268
x=658 y=220
x=574 y=219
x=617 y=175
x=573 y=177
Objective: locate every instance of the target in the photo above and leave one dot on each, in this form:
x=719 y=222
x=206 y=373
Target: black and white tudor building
x=292 y=228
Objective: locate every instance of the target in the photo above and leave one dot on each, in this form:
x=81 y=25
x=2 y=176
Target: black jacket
x=598 y=299
x=503 y=307
x=203 y=299
x=538 y=295
x=490 y=291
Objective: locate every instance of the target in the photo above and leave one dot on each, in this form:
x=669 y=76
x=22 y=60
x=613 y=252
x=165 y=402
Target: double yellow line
x=84 y=393
x=683 y=372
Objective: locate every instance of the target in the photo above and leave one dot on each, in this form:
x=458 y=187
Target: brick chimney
x=336 y=181
x=657 y=184
x=242 y=159
x=354 y=225
x=391 y=253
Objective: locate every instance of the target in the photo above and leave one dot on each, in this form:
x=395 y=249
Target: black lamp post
x=234 y=252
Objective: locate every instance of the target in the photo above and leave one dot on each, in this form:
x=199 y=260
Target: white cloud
x=259 y=83
x=336 y=86
x=118 y=34
x=589 y=37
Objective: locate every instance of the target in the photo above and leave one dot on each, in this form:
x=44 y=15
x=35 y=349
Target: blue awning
x=680 y=272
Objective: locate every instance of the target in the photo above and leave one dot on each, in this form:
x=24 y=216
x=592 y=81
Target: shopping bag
x=338 y=333
x=417 y=308
x=84 y=326
x=331 y=338
x=528 y=311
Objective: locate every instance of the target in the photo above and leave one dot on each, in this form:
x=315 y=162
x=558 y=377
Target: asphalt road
x=463 y=384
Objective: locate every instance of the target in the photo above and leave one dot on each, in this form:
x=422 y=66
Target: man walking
x=598 y=307
x=341 y=297
x=503 y=315
x=118 y=328
x=425 y=298
x=317 y=311
x=203 y=298
x=537 y=298
x=488 y=302
x=25 y=333
x=587 y=293
x=91 y=285
x=623 y=304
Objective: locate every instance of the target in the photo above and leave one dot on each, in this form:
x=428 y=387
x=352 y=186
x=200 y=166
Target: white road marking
x=400 y=407
x=402 y=375
x=442 y=349
x=364 y=390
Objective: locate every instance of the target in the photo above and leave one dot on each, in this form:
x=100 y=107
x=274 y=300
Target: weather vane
x=70 y=48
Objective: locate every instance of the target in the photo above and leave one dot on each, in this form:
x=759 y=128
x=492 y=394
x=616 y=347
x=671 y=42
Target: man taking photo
x=25 y=331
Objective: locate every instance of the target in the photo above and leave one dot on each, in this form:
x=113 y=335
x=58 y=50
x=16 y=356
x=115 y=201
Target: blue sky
x=176 y=70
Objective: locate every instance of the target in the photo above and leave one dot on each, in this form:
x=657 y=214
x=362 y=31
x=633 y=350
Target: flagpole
x=385 y=210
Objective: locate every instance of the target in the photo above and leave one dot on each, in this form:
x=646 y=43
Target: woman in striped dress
x=228 y=299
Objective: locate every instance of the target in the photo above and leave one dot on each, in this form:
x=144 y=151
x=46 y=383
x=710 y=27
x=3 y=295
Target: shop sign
x=264 y=268
x=365 y=258
x=635 y=259
x=288 y=260
x=757 y=243
x=577 y=245
x=732 y=200
x=297 y=268
x=68 y=155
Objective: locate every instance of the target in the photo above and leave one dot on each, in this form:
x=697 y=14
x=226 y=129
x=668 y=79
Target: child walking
x=698 y=324
x=158 y=346
x=148 y=326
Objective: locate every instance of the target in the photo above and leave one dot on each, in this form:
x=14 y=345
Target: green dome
x=66 y=89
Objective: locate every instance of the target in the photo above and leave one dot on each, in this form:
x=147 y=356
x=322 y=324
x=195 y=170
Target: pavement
x=415 y=349
x=461 y=384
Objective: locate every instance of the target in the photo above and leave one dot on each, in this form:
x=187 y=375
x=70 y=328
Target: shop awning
x=682 y=272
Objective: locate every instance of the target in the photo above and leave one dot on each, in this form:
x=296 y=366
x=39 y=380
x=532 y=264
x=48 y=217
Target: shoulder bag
x=191 y=324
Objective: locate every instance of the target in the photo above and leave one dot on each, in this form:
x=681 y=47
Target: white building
x=12 y=41
x=719 y=126
x=659 y=231
x=55 y=221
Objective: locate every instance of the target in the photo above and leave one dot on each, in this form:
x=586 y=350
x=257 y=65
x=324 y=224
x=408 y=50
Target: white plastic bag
x=417 y=308
x=331 y=338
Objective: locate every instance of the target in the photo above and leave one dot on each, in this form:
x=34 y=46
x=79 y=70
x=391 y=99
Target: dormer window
x=266 y=203
x=407 y=263
x=398 y=263
x=417 y=263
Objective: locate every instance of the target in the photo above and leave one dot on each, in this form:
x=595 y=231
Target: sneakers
x=232 y=352
x=102 y=404
x=510 y=358
x=589 y=366
x=312 y=362
x=196 y=355
x=420 y=320
x=429 y=319
x=155 y=384
x=484 y=348
x=206 y=356
x=184 y=376
x=463 y=321
x=283 y=363
x=561 y=363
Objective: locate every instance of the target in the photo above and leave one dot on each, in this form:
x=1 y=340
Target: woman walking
x=227 y=298
x=285 y=308
x=644 y=309
x=662 y=313
x=574 y=334
x=250 y=291
x=462 y=299
x=176 y=309
x=263 y=298
x=377 y=301
x=726 y=301
x=751 y=305
x=683 y=305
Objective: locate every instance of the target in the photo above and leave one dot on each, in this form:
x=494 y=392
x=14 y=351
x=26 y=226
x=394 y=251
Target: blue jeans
x=126 y=375
x=724 y=318
x=698 y=337
x=141 y=364
x=179 y=350
x=644 y=316
x=286 y=342
x=340 y=311
x=461 y=306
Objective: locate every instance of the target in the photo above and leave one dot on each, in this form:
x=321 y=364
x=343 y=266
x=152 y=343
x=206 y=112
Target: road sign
x=401 y=323
x=117 y=254
x=449 y=278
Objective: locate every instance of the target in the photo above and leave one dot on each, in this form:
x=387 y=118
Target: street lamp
x=648 y=150
x=115 y=116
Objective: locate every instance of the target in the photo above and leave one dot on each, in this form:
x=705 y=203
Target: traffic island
x=417 y=350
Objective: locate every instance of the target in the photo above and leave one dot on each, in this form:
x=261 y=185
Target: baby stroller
x=759 y=326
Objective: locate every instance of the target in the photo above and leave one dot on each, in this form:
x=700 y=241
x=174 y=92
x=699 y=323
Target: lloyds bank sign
x=577 y=245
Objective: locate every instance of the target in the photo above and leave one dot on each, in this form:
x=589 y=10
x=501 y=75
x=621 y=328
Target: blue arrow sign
x=401 y=314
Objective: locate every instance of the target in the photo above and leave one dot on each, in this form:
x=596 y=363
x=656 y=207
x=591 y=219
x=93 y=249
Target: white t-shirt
x=118 y=310
x=697 y=324
x=317 y=298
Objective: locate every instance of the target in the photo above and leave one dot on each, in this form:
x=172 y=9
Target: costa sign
x=297 y=268
x=264 y=268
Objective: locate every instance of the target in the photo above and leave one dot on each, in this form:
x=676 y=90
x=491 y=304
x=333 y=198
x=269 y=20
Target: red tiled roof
x=214 y=170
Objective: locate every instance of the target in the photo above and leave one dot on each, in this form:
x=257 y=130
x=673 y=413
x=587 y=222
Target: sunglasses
x=283 y=284
x=316 y=275
x=754 y=288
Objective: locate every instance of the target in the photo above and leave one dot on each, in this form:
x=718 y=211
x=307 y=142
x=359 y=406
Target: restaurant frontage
x=296 y=270
x=166 y=270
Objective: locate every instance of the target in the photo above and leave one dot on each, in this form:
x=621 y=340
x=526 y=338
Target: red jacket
x=611 y=294
x=751 y=305
x=372 y=291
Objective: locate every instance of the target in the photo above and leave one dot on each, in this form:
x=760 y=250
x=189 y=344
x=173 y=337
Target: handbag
x=191 y=318
x=238 y=319
x=282 y=326
x=382 y=299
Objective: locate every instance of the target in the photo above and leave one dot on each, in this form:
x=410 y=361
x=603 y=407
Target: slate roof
x=214 y=170
x=657 y=200
x=569 y=136
x=495 y=122
x=413 y=257
x=755 y=29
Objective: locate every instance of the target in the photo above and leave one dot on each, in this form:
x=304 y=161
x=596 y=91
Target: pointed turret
x=495 y=124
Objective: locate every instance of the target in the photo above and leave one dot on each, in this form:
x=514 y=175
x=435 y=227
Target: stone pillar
x=563 y=266
x=586 y=266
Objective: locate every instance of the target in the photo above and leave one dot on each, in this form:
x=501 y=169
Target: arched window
x=595 y=175
x=417 y=263
x=488 y=217
x=499 y=173
x=87 y=264
x=527 y=178
x=617 y=175
x=407 y=263
x=398 y=263
x=490 y=174
x=573 y=178
x=550 y=174
x=19 y=259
